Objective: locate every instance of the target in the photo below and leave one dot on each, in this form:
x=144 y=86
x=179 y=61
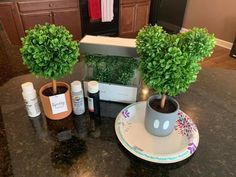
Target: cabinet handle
x=50 y=14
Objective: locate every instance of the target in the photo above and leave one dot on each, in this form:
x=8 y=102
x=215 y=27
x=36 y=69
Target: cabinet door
x=142 y=15
x=127 y=20
x=38 y=5
x=70 y=18
x=29 y=20
x=10 y=22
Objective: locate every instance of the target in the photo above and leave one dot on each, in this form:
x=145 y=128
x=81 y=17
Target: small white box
x=114 y=92
x=105 y=45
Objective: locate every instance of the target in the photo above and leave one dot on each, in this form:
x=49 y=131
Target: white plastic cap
x=93 y=87
x=27 y=87
x=76 y=86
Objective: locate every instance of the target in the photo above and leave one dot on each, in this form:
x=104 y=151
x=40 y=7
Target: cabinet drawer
x=132 y=1
x=25 y=6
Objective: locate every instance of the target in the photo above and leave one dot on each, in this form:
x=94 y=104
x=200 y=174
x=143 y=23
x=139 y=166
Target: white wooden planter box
x=116 y=47
x=116 y=93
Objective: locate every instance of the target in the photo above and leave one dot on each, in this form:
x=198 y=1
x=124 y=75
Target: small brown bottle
x=94 y=104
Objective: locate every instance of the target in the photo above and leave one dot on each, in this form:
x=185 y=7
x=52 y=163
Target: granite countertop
x=35 y=150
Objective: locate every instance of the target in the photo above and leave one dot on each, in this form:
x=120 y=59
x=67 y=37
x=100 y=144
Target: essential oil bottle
x=31 y=100
x=77 y=98
x=94 y=104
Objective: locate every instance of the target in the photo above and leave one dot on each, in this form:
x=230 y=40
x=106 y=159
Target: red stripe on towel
x=94 y=8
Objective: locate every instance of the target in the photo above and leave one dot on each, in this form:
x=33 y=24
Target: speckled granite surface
x=10 y=66
x=34 y=150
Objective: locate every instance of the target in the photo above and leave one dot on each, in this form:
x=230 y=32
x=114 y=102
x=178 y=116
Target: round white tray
x=179 y=145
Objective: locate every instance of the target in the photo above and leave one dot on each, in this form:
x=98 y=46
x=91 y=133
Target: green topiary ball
x=170 y=63
x=49 y=51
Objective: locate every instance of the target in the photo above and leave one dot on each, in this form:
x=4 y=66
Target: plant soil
x=168 y=108
x=60 y=90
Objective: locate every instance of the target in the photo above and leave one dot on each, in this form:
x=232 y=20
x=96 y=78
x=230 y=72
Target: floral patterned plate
x=179 y=145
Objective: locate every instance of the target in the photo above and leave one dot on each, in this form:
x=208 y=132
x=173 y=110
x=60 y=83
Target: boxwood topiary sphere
x=170 y=63
x=49 y=51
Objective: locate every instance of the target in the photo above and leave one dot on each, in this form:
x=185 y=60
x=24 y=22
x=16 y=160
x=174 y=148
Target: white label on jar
x=78 y=104
x=90 y=104
x=32 y=107
x=58 y=103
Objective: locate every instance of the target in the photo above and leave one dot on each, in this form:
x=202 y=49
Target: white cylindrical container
x=77 y=98
x=30 y=98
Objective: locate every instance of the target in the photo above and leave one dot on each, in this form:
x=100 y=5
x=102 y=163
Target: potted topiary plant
x=113 y=62
x=169 y=64
x=117 y=73
x=49 y=52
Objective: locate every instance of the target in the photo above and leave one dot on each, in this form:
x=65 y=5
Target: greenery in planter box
x=49 y=51
x=112 y=69
x=170 y=63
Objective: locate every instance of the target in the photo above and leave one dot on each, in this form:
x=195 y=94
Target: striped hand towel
x=107 y=10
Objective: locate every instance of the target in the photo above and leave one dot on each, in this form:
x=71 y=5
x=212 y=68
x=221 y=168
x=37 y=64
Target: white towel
x=107 y=10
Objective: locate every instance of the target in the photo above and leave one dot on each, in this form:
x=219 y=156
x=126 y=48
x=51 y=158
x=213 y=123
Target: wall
x=218 y=16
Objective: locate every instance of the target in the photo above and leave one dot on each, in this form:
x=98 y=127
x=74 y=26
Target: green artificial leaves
x=49 y=51
x=170 y=63
x=112 y=69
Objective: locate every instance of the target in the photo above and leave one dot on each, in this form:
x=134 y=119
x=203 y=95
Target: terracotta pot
x=47 y=106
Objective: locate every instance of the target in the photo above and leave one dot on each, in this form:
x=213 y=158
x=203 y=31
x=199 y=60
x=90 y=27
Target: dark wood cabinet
x=36 y=5
x=16 y=17
x=142 y=15
x=127 y=19
x=59 y=12
x=133 y=16
x=10 y=22
x=70 y=18
x=29 y=20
